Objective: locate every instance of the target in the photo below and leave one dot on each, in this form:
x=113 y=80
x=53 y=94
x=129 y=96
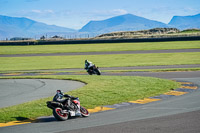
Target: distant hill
x=138 y=34
x=24 y=27
x=127 y=22
x=185 y=22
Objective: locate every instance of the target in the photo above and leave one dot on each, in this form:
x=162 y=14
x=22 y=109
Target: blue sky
x=76 y=13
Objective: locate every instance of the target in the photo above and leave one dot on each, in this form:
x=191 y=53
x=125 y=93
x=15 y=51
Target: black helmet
x=86 y=61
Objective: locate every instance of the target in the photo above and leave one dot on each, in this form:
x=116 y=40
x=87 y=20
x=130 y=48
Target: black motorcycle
x=67 y=108
x=94 y=70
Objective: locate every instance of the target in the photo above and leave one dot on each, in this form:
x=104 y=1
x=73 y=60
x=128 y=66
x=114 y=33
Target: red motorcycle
x=67 y=108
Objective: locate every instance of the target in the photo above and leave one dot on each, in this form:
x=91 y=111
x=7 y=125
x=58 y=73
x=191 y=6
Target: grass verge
x=42 y=72
x=114 y=60
x=33 y=49
x=100 y=90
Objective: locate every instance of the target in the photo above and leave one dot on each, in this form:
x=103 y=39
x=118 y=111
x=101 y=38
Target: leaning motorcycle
x=62 y=112
x=94 y=70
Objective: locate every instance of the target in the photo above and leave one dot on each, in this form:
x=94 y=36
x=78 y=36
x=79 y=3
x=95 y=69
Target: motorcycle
x=94 y=70
x=67 y=108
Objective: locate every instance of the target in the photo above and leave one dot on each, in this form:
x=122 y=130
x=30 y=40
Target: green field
x=100 y=90
x=189 y=31
x=116 y=60
x=32 y=49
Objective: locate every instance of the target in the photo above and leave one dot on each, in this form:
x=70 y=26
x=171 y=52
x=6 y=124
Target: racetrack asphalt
x=17 y=91
x=165 y=75
x=178 y=114
x=179 y=123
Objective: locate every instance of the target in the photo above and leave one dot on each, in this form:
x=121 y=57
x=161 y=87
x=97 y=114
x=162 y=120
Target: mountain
x=185 y=22
x=127 y=22
x=24 y=27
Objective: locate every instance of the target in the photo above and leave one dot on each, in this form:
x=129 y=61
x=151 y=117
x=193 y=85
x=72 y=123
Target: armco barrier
x=46 y=42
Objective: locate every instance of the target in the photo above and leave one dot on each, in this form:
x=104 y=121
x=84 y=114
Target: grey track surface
x=166 y=75
x=102 y=53
x=16 y=91
x=165 y=124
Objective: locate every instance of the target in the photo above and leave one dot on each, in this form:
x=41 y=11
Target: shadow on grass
x=44 y=119
x=38 y=120
x=21 y=118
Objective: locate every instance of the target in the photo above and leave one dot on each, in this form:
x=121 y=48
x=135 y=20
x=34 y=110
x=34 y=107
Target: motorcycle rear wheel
x=89 y=73
x=59 y=115
x=84 y=112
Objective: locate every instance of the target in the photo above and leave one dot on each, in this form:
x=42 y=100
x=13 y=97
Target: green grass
x=56 y=62
x=32 y=49
x=40 y=72
x=191 y=31
x=99 y=91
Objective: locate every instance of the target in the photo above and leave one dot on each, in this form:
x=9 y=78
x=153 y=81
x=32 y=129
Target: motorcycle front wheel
x=98 y=71
x=84 y=112
x=59 y=115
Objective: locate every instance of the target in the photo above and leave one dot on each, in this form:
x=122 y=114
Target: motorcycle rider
x=88 y=65
x=59 y=98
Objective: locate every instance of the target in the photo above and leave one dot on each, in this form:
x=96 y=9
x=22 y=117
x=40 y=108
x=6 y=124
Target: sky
x=76 y=13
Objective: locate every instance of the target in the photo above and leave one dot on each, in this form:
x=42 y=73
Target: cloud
x=119 y=11
x=109 y=12
x=36 y=11
x=42 y=11
x=49 y=11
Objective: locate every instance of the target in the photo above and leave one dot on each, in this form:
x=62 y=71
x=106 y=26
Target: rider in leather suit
x=59 y=98
x=88 y=65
